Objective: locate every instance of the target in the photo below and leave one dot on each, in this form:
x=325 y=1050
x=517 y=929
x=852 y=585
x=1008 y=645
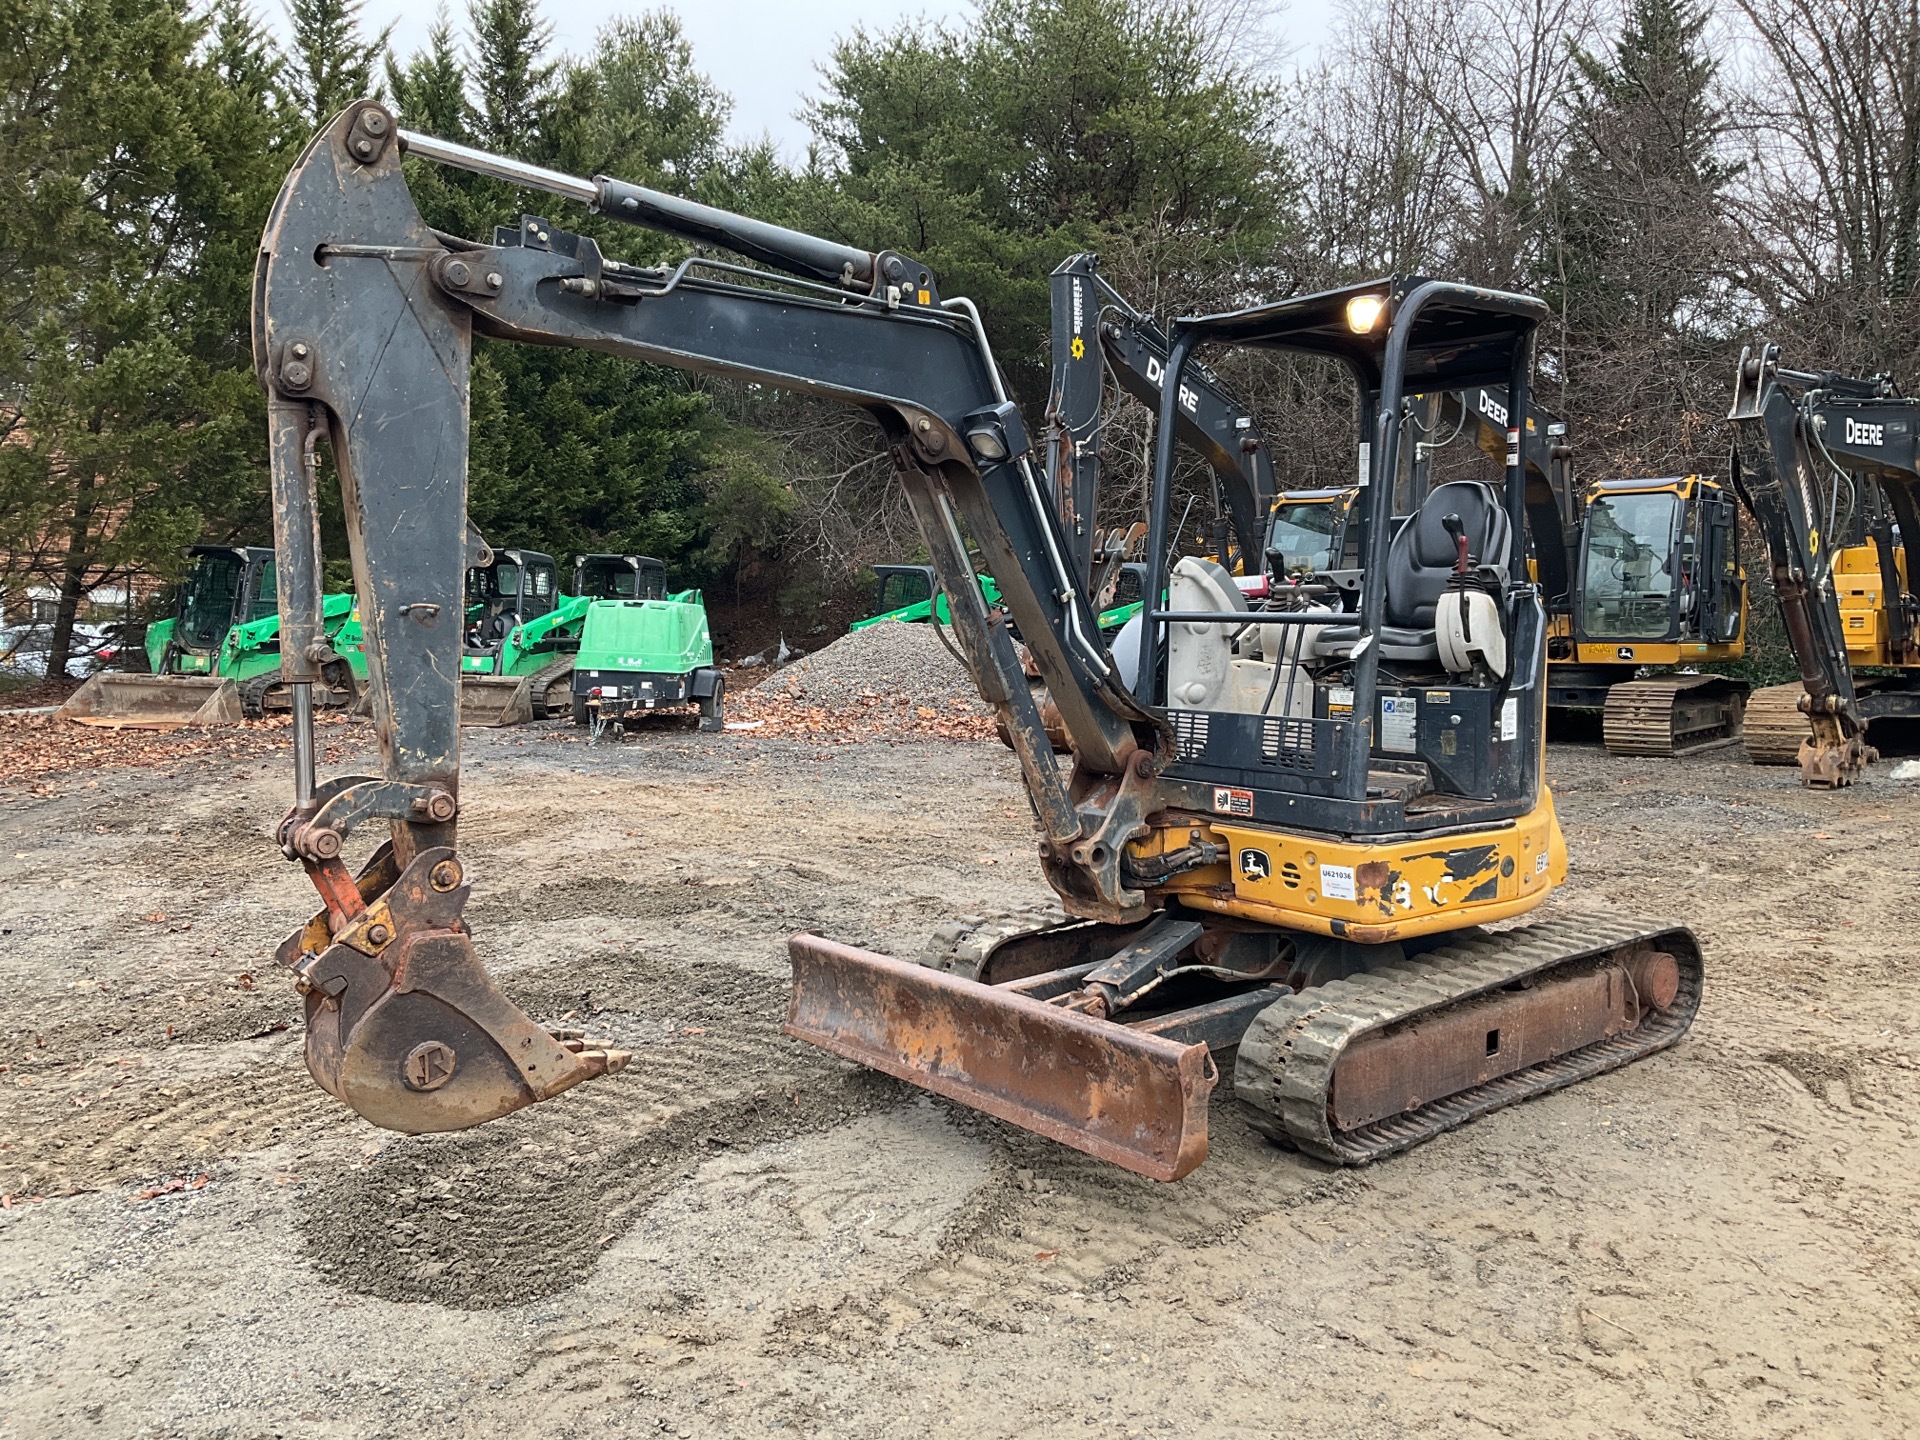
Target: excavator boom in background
x=1279 y=829
x=1829 y=467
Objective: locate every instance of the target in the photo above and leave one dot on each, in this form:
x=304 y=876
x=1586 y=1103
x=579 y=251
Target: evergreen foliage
x=1583 y=147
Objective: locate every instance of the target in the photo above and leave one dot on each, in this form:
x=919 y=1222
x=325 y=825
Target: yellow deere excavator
x=1829 y=467
x=1280 y=830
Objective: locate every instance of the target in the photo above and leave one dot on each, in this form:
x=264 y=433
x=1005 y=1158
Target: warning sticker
x=1510 y=718
x=1228 y=801
x=1336 y=882
x=1398 y=714
x=1339 y=701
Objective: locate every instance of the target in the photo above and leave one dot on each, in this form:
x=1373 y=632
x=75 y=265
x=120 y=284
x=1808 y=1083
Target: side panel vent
x=1190 y=729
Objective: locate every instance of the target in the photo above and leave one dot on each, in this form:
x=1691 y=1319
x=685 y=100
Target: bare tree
x=1833 y=219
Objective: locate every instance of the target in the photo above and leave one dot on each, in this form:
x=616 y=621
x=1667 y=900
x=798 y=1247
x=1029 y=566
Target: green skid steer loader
x=520 y=640
x=643 y=650
x=216 y=659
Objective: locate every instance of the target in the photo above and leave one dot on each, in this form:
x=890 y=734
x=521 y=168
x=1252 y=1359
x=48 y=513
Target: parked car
x=24 y=649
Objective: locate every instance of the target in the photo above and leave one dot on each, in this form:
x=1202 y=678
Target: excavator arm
x=1097 y=332
x=364 y=320
x=1810 y=450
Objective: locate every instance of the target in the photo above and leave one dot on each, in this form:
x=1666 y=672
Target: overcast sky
x=764 y=53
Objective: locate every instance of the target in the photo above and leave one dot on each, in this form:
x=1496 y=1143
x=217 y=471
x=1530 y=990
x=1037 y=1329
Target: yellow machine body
x=1369 y=892
x=1858 y=584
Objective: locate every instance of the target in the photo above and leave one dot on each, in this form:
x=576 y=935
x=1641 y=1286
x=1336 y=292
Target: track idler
x=404 y=1025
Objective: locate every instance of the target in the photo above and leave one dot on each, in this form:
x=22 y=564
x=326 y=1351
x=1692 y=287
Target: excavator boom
x=363 y=328
x=1823 y=461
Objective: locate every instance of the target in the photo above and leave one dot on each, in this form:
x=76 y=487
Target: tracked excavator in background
x=1280 y=830
x=1829 y=467
x=1640 y=573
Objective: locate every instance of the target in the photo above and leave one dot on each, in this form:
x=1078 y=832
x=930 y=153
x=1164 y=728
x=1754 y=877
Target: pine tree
x=571 y=450
x=429 y=91
x=514 y=95
x=332 y=65
x=140 y=156
x=1639 y=201
x=1046 y=127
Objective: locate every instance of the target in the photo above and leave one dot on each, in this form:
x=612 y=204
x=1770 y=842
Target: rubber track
x=1775 y=725
x=542 y=681
x=1642 y=716
x=1285 y=1067
x=326 y=696
x=961 y=947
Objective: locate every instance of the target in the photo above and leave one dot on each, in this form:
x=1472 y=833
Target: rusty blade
x=1136 y=1100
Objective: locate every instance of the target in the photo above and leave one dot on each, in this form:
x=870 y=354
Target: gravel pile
x=888 y=678
x=894 y=660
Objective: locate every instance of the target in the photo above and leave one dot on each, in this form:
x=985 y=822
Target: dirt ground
x=740 y=1235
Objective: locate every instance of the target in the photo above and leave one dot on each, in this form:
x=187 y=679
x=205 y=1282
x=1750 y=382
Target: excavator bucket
x=494 y=700
x=1135 y=1099
x=404 y=1025
x=153 y=702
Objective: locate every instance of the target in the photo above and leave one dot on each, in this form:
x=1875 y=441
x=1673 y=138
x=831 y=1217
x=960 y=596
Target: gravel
x=892 y=660
x=888 y=679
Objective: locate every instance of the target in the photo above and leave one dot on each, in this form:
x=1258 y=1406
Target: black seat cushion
x=1423 y=553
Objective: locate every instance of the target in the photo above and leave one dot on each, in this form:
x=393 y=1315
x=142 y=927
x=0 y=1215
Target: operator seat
x=1419 y=562
x=493 y=628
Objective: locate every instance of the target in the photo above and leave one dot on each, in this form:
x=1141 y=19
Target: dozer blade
x=153 y=702
x=404 y=1025
x=1136 y=1100
x=495 y=700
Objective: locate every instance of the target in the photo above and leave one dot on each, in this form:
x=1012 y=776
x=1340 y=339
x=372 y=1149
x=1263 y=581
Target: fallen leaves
x=177 y=1185
x=773 y=710
x=34 y=748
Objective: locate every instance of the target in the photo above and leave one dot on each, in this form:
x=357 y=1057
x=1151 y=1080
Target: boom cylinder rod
x=794 y=251
x=303 y=746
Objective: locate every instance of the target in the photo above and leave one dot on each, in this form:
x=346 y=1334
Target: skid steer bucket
x=1135 y=1099
x=153 y=702
x=495 y=700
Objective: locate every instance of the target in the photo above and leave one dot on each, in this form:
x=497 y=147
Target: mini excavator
x=1829 y=467
x=1280 y=831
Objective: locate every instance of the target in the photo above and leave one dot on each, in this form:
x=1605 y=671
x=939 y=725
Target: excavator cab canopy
x=1395 y=681
x=1461 y=336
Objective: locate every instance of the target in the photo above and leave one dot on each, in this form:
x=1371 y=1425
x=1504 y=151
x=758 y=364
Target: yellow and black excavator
x=1641 y=573
x=1279 y=834
x=1827 y=465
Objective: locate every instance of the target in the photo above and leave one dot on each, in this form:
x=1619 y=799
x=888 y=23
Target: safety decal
x=1229 y=801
